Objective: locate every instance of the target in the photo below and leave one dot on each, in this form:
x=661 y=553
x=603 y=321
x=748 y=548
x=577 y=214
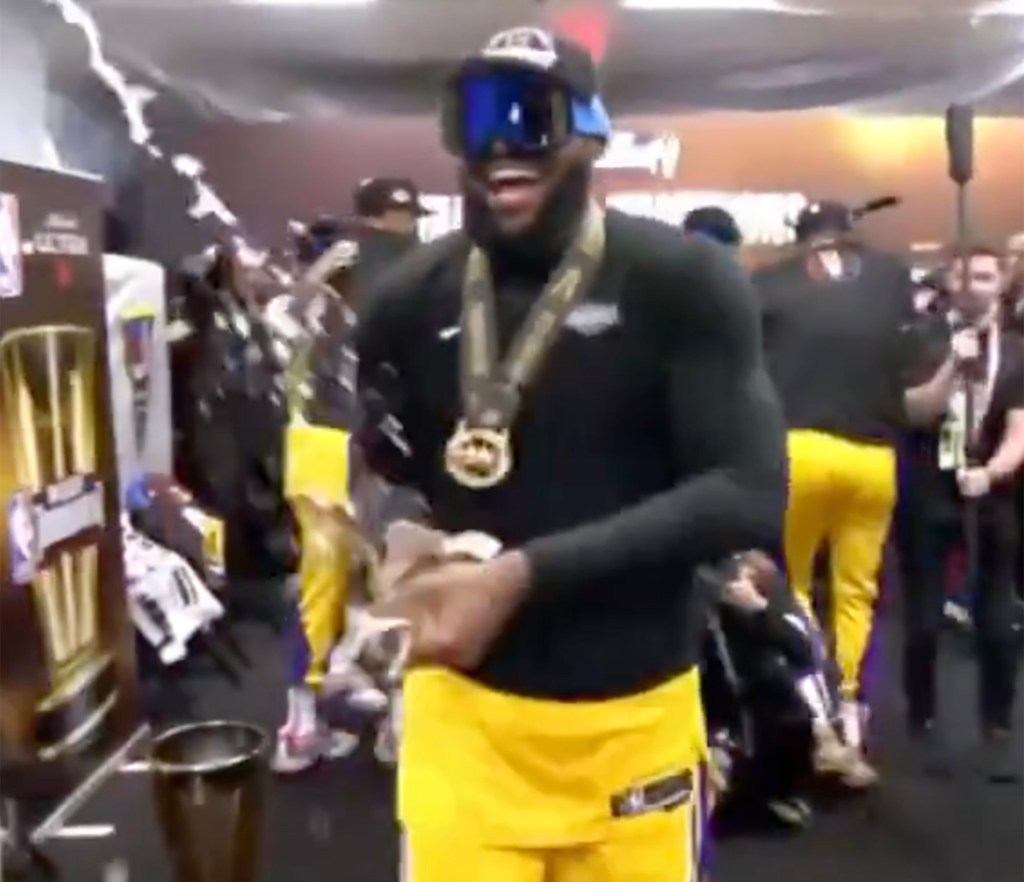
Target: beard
x=976 y=309
x=541 y=244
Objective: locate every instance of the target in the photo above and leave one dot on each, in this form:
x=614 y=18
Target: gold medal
x=478 y=458
x=479 y=453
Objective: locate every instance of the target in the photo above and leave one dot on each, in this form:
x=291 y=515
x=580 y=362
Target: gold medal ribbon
x=479 y=453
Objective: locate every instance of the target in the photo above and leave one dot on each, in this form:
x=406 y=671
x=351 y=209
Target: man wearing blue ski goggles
x=541 y=364
x=525 y=117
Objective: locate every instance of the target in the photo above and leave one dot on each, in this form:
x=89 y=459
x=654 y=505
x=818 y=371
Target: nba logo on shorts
x=10 y=247
x=22 y=538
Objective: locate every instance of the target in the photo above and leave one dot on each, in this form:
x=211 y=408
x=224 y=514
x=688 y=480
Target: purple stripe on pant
x=702 y=823
x=873 y=661
x=299 y=651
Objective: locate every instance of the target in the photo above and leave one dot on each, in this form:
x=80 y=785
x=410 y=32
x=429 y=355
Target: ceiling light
x=1000 y=7
x=718 y=6
x=304 y=4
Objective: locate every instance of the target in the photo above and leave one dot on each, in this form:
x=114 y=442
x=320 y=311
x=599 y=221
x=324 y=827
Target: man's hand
x=965 y=346
x=742 y=593
x=974 y=482
x=456 y=609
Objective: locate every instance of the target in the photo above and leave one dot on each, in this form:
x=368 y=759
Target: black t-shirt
x=650 y=442
x=1013 y=310
x=1007 y=395
x=380 y=251
x=837 y=348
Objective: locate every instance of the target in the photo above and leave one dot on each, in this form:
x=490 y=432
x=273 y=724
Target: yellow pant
x=506 y=789
x=324 y=572
x=841 y=495
x=316 y=484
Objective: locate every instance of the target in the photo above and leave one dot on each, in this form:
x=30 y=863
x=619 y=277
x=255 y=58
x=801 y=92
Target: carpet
x=336 y=824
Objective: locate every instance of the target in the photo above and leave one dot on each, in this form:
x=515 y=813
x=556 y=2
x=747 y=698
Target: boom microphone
x=879 y=204
x=960 y=142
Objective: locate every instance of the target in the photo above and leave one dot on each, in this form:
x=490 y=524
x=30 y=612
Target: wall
x=271 y=173
x=23 y=90
x=55 y=114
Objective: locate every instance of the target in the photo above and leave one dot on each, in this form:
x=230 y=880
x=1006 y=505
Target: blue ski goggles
x=510 y=110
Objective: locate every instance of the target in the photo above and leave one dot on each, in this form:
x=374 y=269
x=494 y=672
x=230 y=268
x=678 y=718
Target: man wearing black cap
x=388 y=209
x=588 y=391
x=836 y=317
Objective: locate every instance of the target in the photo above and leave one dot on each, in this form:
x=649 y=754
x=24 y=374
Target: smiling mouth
x=513 y=187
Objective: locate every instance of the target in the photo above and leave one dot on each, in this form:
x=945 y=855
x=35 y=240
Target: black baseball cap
x=325 y=228
x=823 y=218
x=375 y=196
x=566 y=62
x=715 y=223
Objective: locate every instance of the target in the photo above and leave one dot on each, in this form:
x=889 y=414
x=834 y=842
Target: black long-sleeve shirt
x=838 y=349
x=650 y=442
x=379 y=252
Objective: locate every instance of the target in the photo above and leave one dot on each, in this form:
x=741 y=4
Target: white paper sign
x=139 y=367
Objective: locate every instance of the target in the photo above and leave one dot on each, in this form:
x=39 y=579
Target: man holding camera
x=961 y=467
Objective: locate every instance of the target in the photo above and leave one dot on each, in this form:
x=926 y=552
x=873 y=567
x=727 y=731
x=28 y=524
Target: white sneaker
x=385 y=749
x=831 y=755
x=958 y=614
x=852 y=720
x=298 y=751
x=358 y=687
x=860 y=774
x=793 y=812
x=363 y=694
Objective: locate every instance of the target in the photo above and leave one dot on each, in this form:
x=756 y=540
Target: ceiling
x=220 y=58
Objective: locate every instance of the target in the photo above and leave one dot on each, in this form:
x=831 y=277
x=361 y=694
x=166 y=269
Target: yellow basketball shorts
x=498 y=788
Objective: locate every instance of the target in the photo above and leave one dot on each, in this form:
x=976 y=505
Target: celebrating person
x=716 y=223
x=959 y=460
x=1013 y=290
x=1013 y=322
x=835 y=313
x=314 y=321
x=769 y=702
x=542 y=365
x=388 y=210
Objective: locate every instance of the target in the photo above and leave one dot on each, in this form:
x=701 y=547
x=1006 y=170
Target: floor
x=337 y=824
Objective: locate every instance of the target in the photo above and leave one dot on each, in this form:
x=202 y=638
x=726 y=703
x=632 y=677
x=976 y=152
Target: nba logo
x=10 y=248
x=22 y=538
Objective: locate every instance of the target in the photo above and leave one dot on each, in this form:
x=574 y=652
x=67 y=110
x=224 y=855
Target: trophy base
x=208 y=783
x=21 y=858
x=26 y=863
x=71 y=718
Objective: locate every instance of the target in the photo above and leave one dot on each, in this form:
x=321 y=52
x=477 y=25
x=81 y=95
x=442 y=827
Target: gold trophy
x=48 y=425
x=208 y=781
